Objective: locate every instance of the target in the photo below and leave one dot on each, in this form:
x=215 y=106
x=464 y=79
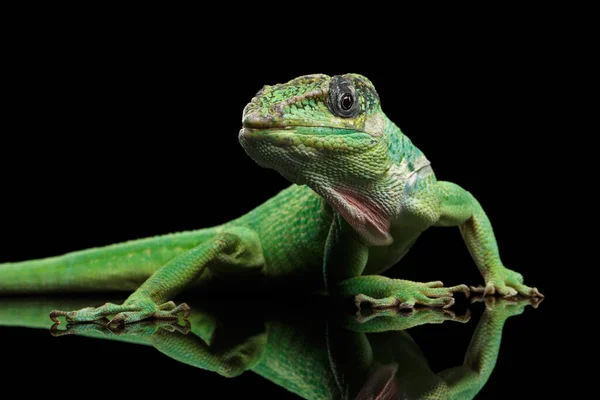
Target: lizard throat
x=366 y=216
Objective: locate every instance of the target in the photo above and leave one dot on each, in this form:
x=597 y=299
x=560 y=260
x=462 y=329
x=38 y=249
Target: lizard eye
x=346 y=101
x=342 y=98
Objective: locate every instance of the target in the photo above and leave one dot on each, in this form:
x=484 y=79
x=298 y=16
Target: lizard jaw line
x=301 y=131
x=260 y=127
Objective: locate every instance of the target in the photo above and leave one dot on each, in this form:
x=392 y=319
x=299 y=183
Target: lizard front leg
x=232 y=249
x=345 y=259
x=457 y=207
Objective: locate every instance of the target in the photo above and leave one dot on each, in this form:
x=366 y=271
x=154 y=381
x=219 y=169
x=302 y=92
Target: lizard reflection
x=364 y=356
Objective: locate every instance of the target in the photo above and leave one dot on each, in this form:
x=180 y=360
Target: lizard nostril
x=250 y=112
x=251 y=117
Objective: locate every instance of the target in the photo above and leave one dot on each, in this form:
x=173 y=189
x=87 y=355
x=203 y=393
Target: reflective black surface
x=312 y=349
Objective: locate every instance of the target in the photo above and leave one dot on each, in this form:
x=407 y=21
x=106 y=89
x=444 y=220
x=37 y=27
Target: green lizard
x=362 y=195
x=309 y=351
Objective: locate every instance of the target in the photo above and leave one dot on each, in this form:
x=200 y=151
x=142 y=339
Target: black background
x=120 y=129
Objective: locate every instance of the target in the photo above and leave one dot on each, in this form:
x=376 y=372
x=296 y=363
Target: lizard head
x=327 y=133
x=317 y=127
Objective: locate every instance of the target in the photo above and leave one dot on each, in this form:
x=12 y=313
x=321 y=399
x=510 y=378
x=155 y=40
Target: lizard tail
x=119 y=267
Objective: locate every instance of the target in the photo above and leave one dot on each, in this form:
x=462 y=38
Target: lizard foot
x=102 y=326
x=506 y=283
x=406 y=294
x=132 y=310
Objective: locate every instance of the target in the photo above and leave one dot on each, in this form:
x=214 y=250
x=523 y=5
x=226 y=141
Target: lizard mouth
x=251 y=124
x=316 y=137
x=310 y=130
x=288 y=147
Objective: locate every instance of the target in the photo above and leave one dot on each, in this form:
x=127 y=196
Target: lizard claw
x=54 y=314
x=450 y=303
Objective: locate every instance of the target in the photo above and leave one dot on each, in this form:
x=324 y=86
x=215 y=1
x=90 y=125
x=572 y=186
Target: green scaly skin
x=349 y=358
x=362 y=195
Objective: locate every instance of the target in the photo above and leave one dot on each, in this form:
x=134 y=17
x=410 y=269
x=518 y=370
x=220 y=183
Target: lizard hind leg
x=232 y=249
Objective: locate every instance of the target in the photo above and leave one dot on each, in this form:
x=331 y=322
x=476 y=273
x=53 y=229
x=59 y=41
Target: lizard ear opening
x=367 y=218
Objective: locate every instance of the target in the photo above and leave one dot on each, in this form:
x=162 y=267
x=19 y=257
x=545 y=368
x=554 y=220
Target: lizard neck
x=402 y=150
x=372 y=207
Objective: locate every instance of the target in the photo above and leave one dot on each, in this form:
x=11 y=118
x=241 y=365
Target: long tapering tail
x=119 y=267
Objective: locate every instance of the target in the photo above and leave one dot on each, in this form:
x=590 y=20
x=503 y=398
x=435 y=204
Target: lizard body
x=362 y=193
